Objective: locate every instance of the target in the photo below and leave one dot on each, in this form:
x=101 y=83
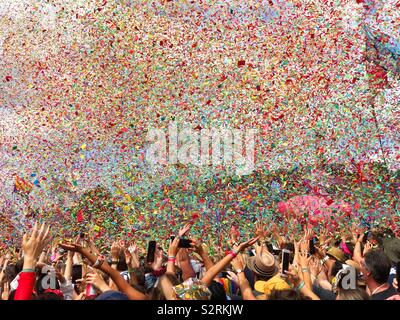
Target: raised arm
x=32 y=245
x=116 y=277
x=218 y=267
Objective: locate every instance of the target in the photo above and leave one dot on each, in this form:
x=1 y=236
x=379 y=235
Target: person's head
x=121 y=265
x=376 y=267
x=391 y=247
x=263 y=266
x=140 y=276
x=334 y=269
x=352 y=294
x=19 y=265
x=288 y=294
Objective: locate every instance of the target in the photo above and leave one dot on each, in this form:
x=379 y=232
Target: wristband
x=300 y=286
x=171 y=257
x=99 y=262
x=28 y=270
x=114 y=262
x=305 y=270
x=233 y=253
x=324 y=260
x=172 y=260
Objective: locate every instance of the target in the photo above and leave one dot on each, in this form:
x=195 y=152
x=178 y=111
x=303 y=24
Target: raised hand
x=74 y=247
x=173 y=247
x=308 y=234
x=368 y=247
x=184 y=230
x=303 y=259
x=94 y=278
x=247 y=244
x=238 y=263
x=158 y=257
x=233 y=277
x=6 y=291
x=197 y=247
x=304 y=245
x=260 y=230
x=34 y=244
x=315 y=266
x=115 y=250
x=293 y=277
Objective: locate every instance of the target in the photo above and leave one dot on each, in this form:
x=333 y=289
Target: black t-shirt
x=383 y=295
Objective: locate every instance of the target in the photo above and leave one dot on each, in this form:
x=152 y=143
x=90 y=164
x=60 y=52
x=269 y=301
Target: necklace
x=376 y=289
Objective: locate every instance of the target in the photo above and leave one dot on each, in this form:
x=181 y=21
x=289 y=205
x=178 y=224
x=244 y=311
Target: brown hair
x=352 y=294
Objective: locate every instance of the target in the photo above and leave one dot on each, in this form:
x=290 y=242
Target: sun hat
x=275 y=283
x=263 y=265
x=336 y=254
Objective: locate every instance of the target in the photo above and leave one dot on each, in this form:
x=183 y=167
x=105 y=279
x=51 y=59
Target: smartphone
x=183 y=243
x=76 y=272
x=151 y=250
x=285 y=262
x=366 y=234
x=398 y=276
x=312 y=246
x=224 y=274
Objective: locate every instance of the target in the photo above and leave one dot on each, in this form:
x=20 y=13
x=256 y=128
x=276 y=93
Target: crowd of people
x=314 y=265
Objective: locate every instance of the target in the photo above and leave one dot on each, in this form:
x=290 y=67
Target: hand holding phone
x=183 y=243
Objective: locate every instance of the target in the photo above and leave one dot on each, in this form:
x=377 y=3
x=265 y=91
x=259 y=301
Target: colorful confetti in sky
x=81 y=83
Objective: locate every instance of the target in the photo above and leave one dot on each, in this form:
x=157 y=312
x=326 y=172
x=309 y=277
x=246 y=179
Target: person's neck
x=375 y=287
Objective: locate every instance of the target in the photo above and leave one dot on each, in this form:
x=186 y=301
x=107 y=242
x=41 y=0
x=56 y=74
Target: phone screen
x=285 y=261
x=76 y=272
x=151 y=250
x=312 y=246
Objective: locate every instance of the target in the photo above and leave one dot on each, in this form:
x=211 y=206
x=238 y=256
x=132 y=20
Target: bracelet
x=172 y=260
x=28 y=270
x=324 y=260
x=171 y=257
x=305 y=270
x=233 y=253
x=300 y=286
x=99 y=262
x=114 y=262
